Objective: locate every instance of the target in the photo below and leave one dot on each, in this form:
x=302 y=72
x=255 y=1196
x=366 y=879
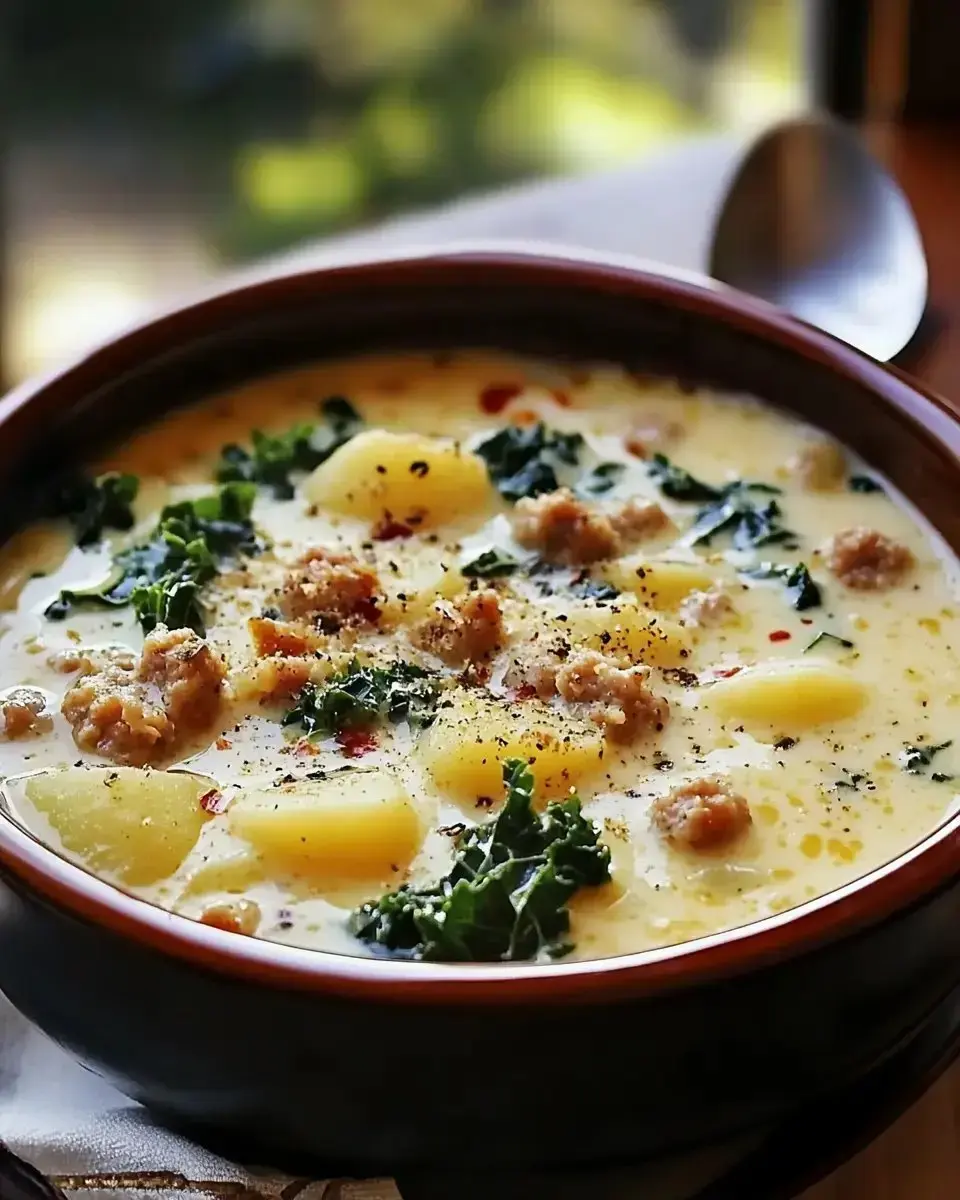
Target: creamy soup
x=470 y=658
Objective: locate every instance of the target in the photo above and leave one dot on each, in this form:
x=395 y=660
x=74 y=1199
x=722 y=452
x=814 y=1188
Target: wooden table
x=919 y=1157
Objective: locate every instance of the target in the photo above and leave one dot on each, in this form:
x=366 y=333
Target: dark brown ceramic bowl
x=376 y=1063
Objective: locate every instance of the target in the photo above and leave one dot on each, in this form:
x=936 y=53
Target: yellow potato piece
x=421 y=585
x=467 y=744
x=356 y=825
x=661 y=585
x=136 y=825
x=234 y=875
x=624 y=629
x=428 y=480
x=787 y=695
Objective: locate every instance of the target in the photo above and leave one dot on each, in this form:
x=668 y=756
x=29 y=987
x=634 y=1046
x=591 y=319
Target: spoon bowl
x=814 y=224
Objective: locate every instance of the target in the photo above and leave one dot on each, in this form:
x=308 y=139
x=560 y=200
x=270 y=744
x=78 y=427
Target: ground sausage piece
x=467 y=630
x=277 y=637
x=712 y=607
x=533 y=672
x=331 y=589
x=820 y=465
x=703 y=814
x=564 y=529
x=867 y=560
x=23 y=713
x=134 y=713
x=619 y=697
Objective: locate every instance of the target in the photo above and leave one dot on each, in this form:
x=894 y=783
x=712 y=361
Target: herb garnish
x=800 y=589
x=915 y=759
x=93 y=505
x=598 y=590
x=750 y=523
x=523 y=461
x=359 y=697
x=824 y=636
x=506 y=896
x=678 y=484
x=603 y=478
x=273 y=456
x=863 y=483
x=162 y=578
x=490 y=564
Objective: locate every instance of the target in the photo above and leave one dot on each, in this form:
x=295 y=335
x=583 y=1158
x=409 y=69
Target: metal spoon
x=814 y=224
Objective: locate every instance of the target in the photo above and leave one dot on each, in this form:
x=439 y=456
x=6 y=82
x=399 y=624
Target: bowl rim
x=897 y=885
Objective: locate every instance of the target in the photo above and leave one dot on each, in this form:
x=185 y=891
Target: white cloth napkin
x=74 y=1127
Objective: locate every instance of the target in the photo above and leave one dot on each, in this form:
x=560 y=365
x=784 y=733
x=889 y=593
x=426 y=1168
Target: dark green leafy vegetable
x=678 y=484
x=597 y=590
x=863 y=483
x=800 y=589
x=93 y=505
x=358 y=697
x=272 y=457
x=523 y=461
x=601 y=479
x=506 y=897
x=751 y=524
x=490 y=564
x=162 y=578
x=824 y=636
x=915 y=760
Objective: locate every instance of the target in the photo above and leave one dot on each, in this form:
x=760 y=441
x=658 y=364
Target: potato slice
x=788 y=695
x=136 y=825
x=234 y=875
x=624 y=629
x=356 y=825
x=414 y=478
x=660 y=585
x=465 y=747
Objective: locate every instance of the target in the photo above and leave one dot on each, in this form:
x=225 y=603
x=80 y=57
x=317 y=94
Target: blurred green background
x=152 y=142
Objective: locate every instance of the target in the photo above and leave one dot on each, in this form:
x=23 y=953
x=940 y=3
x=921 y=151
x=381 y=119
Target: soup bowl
x=292 y=1052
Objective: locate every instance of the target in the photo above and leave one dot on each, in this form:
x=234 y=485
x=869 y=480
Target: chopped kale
x=272 y=457
x=93 y=505
x=359 y=697
x=915 y=760
x=863 y=483
x=799 y=587
x=490 y=564
x=506 y=896
x=735 y=511
x=678 y=484
x=603 y=478
x=523 y=461
x=162 y=578
x=597 y=590
x=835 y=639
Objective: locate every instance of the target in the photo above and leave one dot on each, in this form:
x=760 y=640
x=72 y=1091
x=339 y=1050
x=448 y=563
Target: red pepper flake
x=214 y=802
x=367 y=610
x=389 y=530
x=496 y=396
x=726 y=672
x=561 y=398
x=355 y=743
x=223 y=743
x=806 y=620
x=221 y=918
x=526 y=691
x=780 y=635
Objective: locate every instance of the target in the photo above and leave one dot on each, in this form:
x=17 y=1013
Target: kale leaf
x=678 y=484
x=93 y=505
x=735 y=511
x=506 y=896
x=359 y=697
x=863 y=484
x=162 y=578
x=825 y=636
x=603 y=478
x=490 y=564
x=801 y=590
x=598 y=590
x=915 y=759
x=272 y=457
x=523 y=461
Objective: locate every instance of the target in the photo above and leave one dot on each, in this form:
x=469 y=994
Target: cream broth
x=820 y=756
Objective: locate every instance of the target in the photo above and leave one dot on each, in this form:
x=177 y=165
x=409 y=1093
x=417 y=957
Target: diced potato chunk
x=235 y=875
x=356 y=825
x=421 y=585
x=136 y=825
x=661 y=585
x=465 y=747
x=787 y=696
x=625 y=629
x=426 y=480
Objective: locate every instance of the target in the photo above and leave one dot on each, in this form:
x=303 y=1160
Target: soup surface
x=470 y=658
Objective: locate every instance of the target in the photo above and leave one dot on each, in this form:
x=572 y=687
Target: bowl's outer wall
x=375 y=1082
